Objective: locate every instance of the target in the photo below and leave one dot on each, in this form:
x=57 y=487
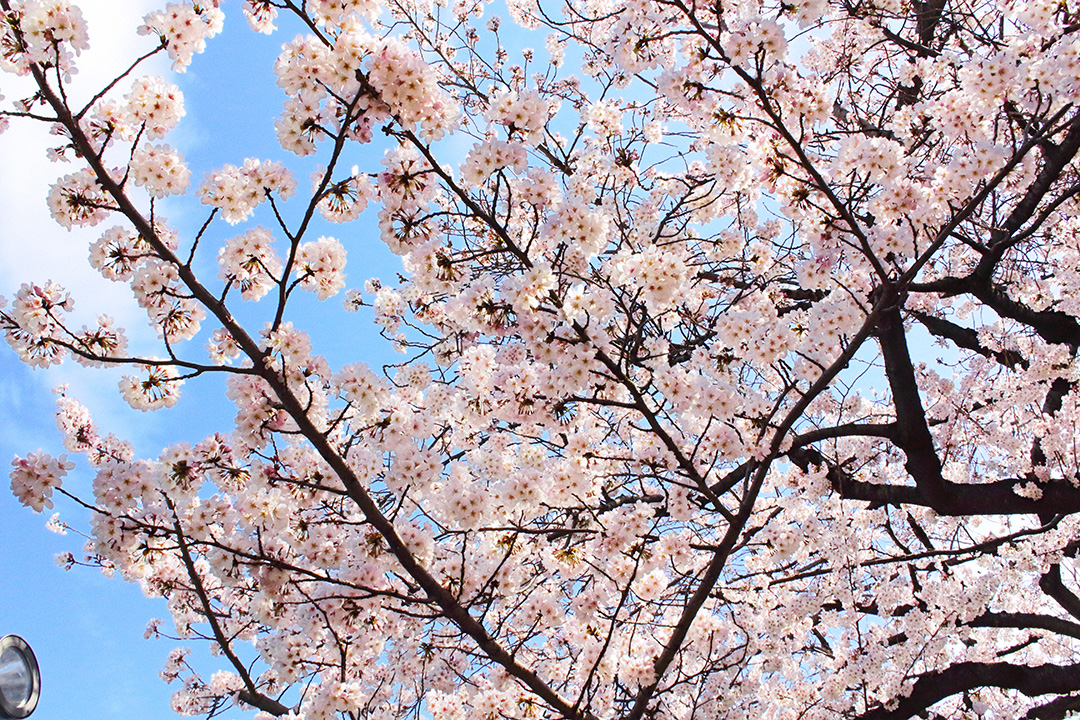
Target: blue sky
x=87 y=630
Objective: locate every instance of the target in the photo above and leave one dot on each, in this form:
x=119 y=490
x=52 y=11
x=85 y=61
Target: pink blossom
x=34 y=477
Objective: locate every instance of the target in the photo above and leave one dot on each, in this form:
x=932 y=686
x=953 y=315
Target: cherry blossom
x=77 y=200
x=34 y=478
x=319 y=266
x=49 y=31
x=738 y=357
x=158 y=388
x=161 y=170
x=184 y=29
x=155 y=105
x=250 y=261
x=237 y=191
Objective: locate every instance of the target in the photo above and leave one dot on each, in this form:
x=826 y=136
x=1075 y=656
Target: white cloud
x=33 y=248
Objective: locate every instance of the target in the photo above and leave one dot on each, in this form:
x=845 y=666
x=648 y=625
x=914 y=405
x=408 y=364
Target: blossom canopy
x=738 y=356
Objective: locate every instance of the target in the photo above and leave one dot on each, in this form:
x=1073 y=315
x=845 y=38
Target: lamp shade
x=20 y=679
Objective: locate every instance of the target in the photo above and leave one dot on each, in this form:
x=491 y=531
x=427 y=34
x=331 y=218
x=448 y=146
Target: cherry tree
x=738 y=357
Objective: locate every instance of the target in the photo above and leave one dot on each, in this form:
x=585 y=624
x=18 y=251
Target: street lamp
x=20 y=679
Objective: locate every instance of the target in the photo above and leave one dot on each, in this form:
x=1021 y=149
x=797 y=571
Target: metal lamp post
x=20 y=679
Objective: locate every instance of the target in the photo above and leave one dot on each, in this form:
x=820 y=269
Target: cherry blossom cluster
x=161 y=170
x=410 y=87
x=105 y=340
x=34 y=478
x=50 y=32
x=345 y=200
x=35 y=320
x=658 y=274
x=154 y=105
x=120 y=252
x=319 y=267
x=335 y=13
x=523 y=112
x=407 y=187
x=250 y=262
x=260 y=15
x=175 y=314
x=157 y=387
x=222 y=348
x=77 y=200
x=183 y=29
x=583 y=230
x=237 y=191
x=487 y=158
x=604 y=118
x=150 y=109
x=667 y=437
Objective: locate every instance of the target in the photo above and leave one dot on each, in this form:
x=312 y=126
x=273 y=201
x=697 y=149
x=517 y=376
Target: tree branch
x=935 y=686
x=1023 y=621
x=912 y=433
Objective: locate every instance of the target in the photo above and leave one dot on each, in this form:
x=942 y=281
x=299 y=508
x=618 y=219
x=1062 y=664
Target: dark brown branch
x=1052 y=584
x=1058 y=709
x=968 y=339
x=250 y=694
x=927 y=17
x=994 y=498
x=1056 y=158
x=935 y=686
x=973 y=203
x=1053 y=326
x=1023 y=621
x=912 y=433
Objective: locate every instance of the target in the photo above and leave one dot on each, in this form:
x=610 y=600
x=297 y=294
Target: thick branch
x=1058 y=709
x=967 y=338
x=1052 y=584
x=1052 y=326
x=1023 y=621
x=912 y=434
x=935 y=686
x=995 y=498
x=1056 y=158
